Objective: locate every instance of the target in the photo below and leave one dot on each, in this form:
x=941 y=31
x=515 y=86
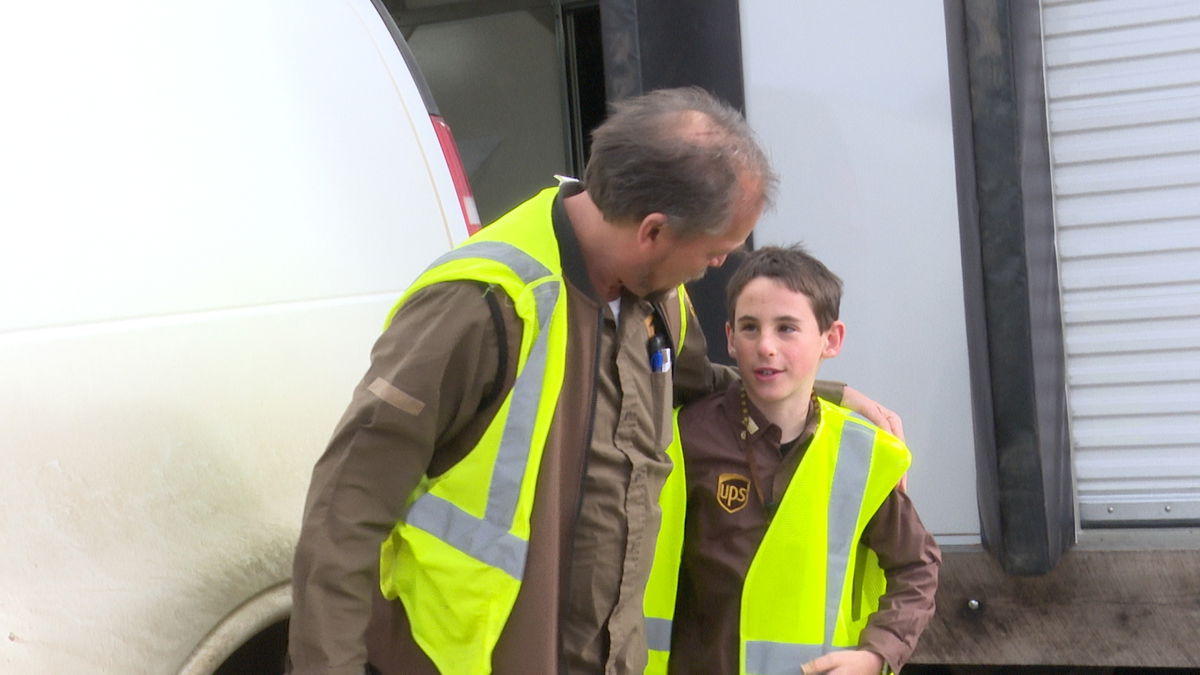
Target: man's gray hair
x=654 y=154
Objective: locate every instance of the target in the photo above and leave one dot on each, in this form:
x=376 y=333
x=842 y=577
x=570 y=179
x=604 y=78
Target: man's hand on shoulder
x=852 y=662
x=880 y=416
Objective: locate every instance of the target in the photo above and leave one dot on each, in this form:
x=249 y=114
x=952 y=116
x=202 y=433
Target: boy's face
x=777 y=344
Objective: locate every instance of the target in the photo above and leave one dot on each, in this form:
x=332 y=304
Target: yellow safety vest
x=812 y=584
x=457 y=559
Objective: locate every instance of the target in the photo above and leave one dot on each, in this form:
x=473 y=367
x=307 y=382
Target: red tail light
x=461 y=186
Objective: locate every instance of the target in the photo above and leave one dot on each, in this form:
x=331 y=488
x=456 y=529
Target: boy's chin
x=761 y=392
x=773 y=392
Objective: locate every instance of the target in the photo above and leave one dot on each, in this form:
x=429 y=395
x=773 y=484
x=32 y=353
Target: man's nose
x=718 y=261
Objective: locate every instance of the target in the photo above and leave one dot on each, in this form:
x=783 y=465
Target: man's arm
x=694 y=374
x=878 y=415
x=429 y=373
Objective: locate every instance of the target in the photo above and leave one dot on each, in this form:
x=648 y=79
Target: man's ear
x=834 y=337
x=650 y=230
x=729 y=340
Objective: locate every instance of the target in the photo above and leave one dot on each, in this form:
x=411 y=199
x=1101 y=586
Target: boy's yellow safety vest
x=812 y=584
x=457 y=559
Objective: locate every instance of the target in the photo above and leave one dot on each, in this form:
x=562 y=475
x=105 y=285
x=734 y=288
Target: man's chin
x=696 y=278
x=647 y=290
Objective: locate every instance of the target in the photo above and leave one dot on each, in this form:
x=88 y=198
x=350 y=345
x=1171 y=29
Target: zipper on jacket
x=587 y=451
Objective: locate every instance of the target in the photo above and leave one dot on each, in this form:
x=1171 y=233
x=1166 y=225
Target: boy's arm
x=910 y=559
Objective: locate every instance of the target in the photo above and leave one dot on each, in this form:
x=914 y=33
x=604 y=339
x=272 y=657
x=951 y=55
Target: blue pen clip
x=660 y=354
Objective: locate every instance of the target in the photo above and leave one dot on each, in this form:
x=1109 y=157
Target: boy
x=798 y=553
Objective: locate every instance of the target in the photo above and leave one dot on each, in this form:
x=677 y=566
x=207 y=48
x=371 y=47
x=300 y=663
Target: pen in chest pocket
x=658 y=347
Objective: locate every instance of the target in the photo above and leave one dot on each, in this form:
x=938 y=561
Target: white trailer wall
x=852 y=100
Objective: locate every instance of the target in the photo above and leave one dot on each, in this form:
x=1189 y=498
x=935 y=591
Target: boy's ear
x=834 y=337
x=729 y=341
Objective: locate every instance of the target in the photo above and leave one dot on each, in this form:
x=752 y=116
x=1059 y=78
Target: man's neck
x=600 y=244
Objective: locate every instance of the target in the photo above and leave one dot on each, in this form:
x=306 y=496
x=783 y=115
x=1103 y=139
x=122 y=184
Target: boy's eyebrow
x=751 y=317
x=787 y=317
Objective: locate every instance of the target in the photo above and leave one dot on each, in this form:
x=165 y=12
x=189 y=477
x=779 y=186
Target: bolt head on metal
x=973 y=604
x=1111 y=509
x=1167 y=508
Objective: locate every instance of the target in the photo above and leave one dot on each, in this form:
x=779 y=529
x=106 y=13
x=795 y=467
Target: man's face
x=684 y=259
x=777 y=343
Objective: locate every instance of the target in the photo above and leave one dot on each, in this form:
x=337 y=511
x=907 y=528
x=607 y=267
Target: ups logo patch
x=732 y=491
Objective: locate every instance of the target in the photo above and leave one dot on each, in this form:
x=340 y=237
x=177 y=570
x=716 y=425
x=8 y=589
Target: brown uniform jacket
x=719 y=545
x=430 y=391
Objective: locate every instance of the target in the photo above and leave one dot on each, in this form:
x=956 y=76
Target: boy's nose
x=766 y=346
x=718 y=261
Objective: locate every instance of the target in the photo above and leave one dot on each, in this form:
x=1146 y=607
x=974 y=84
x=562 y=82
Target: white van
x=207 y=211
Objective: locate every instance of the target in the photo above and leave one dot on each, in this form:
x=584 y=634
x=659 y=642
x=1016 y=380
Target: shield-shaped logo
x=732 y=491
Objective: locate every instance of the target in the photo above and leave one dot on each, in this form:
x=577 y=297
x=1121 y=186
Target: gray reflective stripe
x=849 y=486
x=477 y=538
x=525 y=265
x=518 y=427
x=488 y=539
x=860 y=418
x=658 y=634
x=778 y=658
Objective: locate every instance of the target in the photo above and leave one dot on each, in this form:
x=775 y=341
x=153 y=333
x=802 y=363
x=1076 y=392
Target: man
x=489 y=499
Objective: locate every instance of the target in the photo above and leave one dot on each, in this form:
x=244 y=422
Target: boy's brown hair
x=796 y=269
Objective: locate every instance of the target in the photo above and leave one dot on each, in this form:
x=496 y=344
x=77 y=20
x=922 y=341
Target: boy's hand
x=855 y=662
x=880 y=416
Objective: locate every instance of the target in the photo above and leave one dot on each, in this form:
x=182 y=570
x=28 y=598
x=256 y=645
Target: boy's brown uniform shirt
x=719 y=545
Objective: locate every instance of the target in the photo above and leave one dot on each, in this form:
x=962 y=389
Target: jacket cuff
x=893 y=650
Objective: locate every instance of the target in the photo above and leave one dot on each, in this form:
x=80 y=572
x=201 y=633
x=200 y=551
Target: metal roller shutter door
x=1123 y=90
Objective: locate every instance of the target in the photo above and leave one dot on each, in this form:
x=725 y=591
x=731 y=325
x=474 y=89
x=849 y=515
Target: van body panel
x=160 y=145
x=208 y=210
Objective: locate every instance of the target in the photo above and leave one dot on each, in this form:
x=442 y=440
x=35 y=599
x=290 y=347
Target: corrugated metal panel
x=1123 y=89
